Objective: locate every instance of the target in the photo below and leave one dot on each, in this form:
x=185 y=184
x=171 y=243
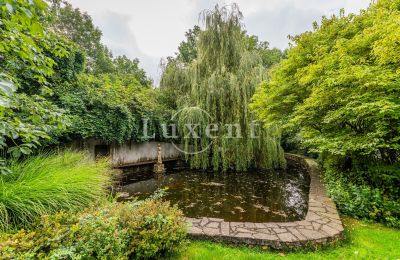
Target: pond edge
x=322 y=224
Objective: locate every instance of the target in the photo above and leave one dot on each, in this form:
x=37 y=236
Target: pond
x=254 y=196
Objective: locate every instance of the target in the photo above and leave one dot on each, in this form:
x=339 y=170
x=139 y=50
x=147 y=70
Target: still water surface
x=255 y=196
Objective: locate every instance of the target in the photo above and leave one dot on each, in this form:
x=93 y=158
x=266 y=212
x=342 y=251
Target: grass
x=46 y=184
x=364 y=241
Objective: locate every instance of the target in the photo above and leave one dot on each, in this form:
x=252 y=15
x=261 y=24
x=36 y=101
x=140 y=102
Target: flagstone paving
x=321 y=225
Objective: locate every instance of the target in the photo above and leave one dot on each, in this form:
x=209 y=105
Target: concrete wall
x=132 y=153
x=142 y=152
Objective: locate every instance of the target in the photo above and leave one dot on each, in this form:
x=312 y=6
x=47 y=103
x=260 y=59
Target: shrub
x=138 y=230
x=46 y=184
x=362 y=201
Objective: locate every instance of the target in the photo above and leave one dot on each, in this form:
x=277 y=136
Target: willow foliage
x=221 y=81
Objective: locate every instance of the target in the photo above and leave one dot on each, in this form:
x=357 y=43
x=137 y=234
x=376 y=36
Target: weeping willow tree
x=221 y=80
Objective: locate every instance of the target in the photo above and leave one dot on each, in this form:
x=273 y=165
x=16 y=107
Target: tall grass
x=46 y=184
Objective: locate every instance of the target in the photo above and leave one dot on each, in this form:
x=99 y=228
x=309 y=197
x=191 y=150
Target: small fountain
x=159 y=166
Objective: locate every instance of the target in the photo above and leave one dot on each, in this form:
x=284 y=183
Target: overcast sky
x=152 y=29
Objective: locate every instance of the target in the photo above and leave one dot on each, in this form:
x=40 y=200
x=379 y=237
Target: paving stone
x=311 y=234
x=316 y=225
x=243 y=230
x=249 y=225
x=322 y=220
x=211 y=231
x=271 y=225
x=338 y=227
x=225 y=230
x=243 y=235
x=263 y=230
x=312 y=216
x=265 y=236
x=296 y=233
x=330 y=231
x=236 y=224
x=288 y=224
x=303 y=223
x=330 y=215
x=317 y=209
x=193 y=220
x=204 y=222
x=216 y=219
x=213 y=225
x=287 y=237
x=279 y=230
x=195 y=230
x=259 y=225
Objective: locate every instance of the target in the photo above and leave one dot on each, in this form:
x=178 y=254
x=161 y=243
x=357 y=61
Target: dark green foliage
x=109 y=107
x=187 y=50
x=78 y=27
x=363 y=201
x=140 y=230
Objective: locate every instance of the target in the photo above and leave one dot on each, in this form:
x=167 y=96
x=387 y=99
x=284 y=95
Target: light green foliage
x=340 y=86
x=141 y=230
x=337 y=93
x=221 y=81
x=26 y=118
x=364 y=241
x=21 y=25
x=45 y=184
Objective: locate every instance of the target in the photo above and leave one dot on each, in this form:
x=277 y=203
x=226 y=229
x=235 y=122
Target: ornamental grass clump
x=46 y=184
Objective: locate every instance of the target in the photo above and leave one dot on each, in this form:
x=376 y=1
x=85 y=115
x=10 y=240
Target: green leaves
x=339 y=87
x=218 y=70
x=7 y=90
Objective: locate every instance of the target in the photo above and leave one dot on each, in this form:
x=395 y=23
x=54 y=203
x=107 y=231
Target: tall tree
x=78 y=27
x=338 y=90
x=221 y=81
x=124 y=65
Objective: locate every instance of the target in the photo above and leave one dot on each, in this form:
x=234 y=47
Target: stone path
x=321 y=225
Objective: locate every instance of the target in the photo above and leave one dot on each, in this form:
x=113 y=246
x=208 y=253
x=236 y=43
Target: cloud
x=276 y=25
x=152 y=29
x=118 y=36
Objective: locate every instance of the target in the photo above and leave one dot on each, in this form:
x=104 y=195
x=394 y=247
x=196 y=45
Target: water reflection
x=257 y=196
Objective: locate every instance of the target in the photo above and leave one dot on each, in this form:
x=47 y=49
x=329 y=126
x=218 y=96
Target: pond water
x=254 y=196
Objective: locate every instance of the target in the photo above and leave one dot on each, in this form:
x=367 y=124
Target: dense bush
x=138 y=230
x=360 y=200
x=46 y=184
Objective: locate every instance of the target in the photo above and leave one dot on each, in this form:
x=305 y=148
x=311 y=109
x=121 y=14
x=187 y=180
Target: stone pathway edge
x=322 y=224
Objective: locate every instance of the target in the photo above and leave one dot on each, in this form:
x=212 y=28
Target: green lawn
x=364 y=241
